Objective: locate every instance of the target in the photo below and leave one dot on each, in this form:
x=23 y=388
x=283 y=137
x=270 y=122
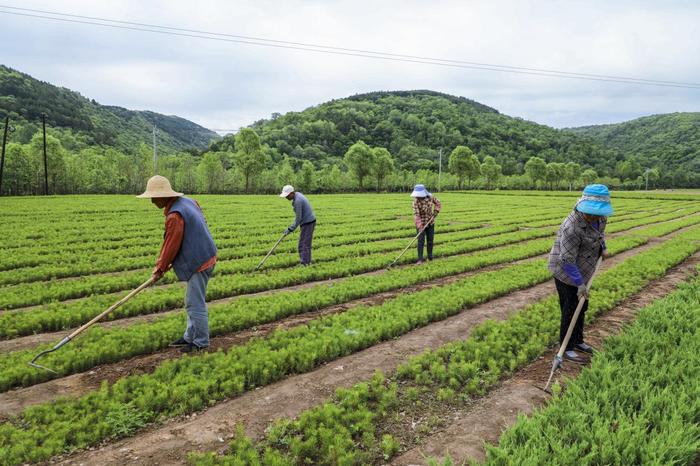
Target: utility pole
x=439 y=169
x=2 y=158
x=46 y=164
x=155 y=152
x=646 y=175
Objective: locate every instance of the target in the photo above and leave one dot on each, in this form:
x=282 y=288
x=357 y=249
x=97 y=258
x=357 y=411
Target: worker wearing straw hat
x=189 y=248
x=579 y=243
x=304 y=218
x=425 y=209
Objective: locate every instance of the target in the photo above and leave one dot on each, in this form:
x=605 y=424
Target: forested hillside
x=380 y=140
x=414 y=126
x=80 y=122
x=669 y=142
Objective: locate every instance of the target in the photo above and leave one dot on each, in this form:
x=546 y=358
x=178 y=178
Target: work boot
x=191 y=348
x=179 y=342
x=573 y=356
x=586 y=348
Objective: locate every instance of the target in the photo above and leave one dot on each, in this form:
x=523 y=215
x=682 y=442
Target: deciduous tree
x=464 y=164
x=491 y=171
x=249 y=159
x=536 y=170
x=359 y=159
x=383 y=165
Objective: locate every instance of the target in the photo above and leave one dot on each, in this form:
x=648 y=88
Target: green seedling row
x=93 y=349
x=224 y=286
x=99 y=344
x=636 y=404
x=178 y=387
x=78 y=260
x=348 y=429
x=27 y=294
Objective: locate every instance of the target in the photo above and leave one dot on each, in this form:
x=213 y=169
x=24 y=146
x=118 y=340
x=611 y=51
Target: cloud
x=226 y=85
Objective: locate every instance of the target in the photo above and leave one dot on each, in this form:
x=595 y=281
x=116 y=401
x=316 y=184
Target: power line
x=248 y=40
x=343 y=49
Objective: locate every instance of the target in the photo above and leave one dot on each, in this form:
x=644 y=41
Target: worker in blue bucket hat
x=425 y=208
x=579 y=243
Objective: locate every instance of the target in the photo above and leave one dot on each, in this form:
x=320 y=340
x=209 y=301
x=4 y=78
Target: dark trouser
x=306 y=235
x=568 y=300
x=430 y=234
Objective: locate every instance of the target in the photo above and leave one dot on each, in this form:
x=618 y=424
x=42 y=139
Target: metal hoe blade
x=34 y=364
x=555 y=365
x=39 y=366
x=85 y=326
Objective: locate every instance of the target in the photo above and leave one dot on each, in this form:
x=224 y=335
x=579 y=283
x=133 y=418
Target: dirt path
x=484 y=420
x=209 y=429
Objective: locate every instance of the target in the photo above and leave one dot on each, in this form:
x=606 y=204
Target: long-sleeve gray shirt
x=303 y=213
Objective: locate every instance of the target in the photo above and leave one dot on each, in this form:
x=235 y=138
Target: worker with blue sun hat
x=579 y=243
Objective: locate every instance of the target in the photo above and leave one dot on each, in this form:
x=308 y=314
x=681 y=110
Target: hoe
x=268 y=254
x=412 y=241
x=89 y=324
x=559 y=359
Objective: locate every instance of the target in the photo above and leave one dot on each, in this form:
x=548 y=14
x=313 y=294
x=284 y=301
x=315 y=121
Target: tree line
x=247 y=166
x=377 y=141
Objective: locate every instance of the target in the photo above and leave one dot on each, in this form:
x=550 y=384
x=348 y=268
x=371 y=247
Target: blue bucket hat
x=420 y=191
x=595 y=201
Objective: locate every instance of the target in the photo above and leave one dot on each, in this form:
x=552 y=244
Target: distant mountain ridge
x=84 y=122
x=665 y=141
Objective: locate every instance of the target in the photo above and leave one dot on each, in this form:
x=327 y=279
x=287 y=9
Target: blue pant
x=197 y=331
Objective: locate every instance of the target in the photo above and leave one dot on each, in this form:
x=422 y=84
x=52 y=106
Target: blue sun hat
x=420 y=191
x=595 y=201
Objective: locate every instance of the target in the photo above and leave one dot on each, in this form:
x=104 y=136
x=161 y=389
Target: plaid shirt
x=579 y=243
x=423 y=210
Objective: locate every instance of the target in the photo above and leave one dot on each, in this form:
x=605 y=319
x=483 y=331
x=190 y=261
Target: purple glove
x=574 y=273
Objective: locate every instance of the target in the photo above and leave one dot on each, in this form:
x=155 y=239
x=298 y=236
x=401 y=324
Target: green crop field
x=344 y=361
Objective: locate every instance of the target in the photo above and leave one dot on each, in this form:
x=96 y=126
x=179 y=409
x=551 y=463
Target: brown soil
x=209 y=429
x=468 y=428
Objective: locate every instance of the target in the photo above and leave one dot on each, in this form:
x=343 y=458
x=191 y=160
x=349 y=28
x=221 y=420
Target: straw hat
x=595 y=201
x=287 y=190
x=158 y=186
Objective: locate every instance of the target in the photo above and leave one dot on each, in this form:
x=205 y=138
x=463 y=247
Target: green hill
x=670 y=142
x=80 y=122
x=414 y=126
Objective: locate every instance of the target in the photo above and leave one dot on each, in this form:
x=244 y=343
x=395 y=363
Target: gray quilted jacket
x=578 y=242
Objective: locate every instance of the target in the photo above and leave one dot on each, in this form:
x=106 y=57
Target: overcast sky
x=226 y=85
